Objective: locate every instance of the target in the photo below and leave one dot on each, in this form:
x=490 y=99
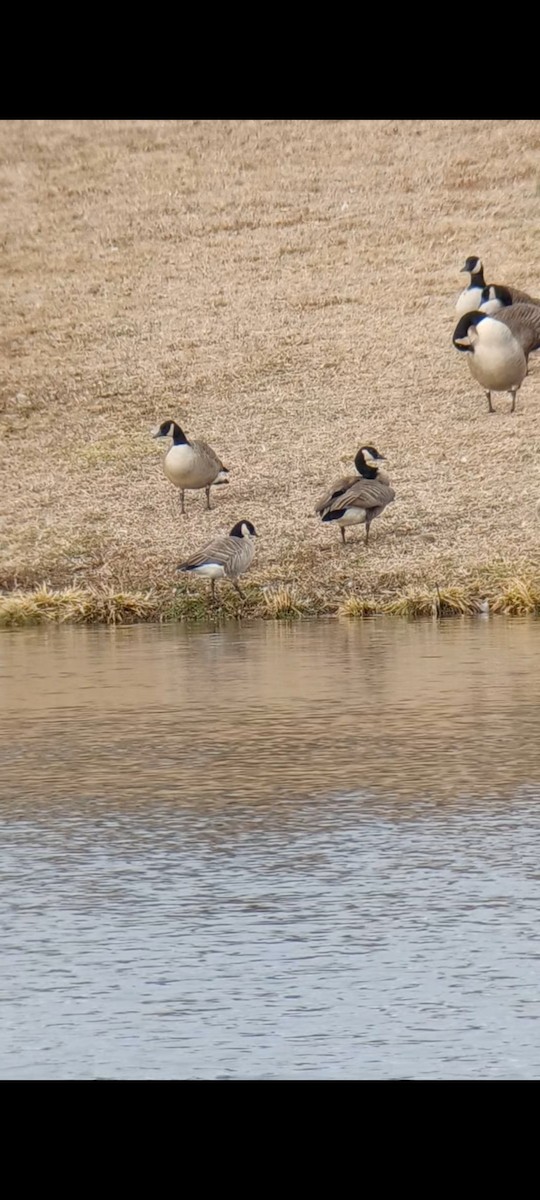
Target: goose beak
x=156 y=433
x=462 y=269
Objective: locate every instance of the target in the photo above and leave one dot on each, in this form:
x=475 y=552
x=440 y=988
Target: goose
x=224 y=557
x=190 y=464
x=498 y=346
x=358 y=499
x=472 y=297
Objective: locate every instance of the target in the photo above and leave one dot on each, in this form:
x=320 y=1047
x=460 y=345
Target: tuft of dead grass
x=519 y=597
x=76 y=606
x=284 y=602
x=358 y=606
x=442 y=602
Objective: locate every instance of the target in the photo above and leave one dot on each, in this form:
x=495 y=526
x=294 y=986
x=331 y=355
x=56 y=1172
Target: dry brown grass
x=284 y=602
x=286 y=289
x=76 y=606
x=495 y=590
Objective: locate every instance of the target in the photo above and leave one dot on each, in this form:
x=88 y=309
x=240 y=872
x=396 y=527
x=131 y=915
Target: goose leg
x=367 y=533
x=342 y=531
x=239 y=589
x=513 y=394
x=213 y=588
x=207 y=490
x=490 y=406
x=182 y=509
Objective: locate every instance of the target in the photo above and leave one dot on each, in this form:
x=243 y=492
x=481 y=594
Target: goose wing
x=220 y=551
x=232 y=553
x=337 y=489
x=205 y=453
x=363 y=493
x=524 y=322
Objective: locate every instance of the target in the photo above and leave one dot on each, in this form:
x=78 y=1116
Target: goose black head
x=370 y=452
x=462 y=328
x=243 y=529
x=473 y=265
x=494 y=297
x=367 y=455
x=170 y=429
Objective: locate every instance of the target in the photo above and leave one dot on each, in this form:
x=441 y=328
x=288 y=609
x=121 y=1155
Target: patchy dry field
x=286 y=290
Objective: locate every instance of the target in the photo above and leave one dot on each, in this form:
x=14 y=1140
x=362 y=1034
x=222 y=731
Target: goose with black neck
x=190 y=464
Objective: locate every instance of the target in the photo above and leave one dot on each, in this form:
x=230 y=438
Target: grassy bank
x=496 y=590
x=286 y=291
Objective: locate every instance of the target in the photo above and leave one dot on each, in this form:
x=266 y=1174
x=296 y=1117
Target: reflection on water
x=271 y=851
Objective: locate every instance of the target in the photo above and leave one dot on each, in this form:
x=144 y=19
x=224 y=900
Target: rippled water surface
x=271 y=852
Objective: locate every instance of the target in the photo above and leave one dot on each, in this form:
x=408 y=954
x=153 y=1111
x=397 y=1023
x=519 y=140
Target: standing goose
x=500 y=295
x=190 y=464
x=224 y=557
x=498 y=346
x=358 y=499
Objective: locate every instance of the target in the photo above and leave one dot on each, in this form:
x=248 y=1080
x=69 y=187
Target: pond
x=271 y=851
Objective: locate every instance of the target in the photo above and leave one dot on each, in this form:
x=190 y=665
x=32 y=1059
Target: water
x=271 y=851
